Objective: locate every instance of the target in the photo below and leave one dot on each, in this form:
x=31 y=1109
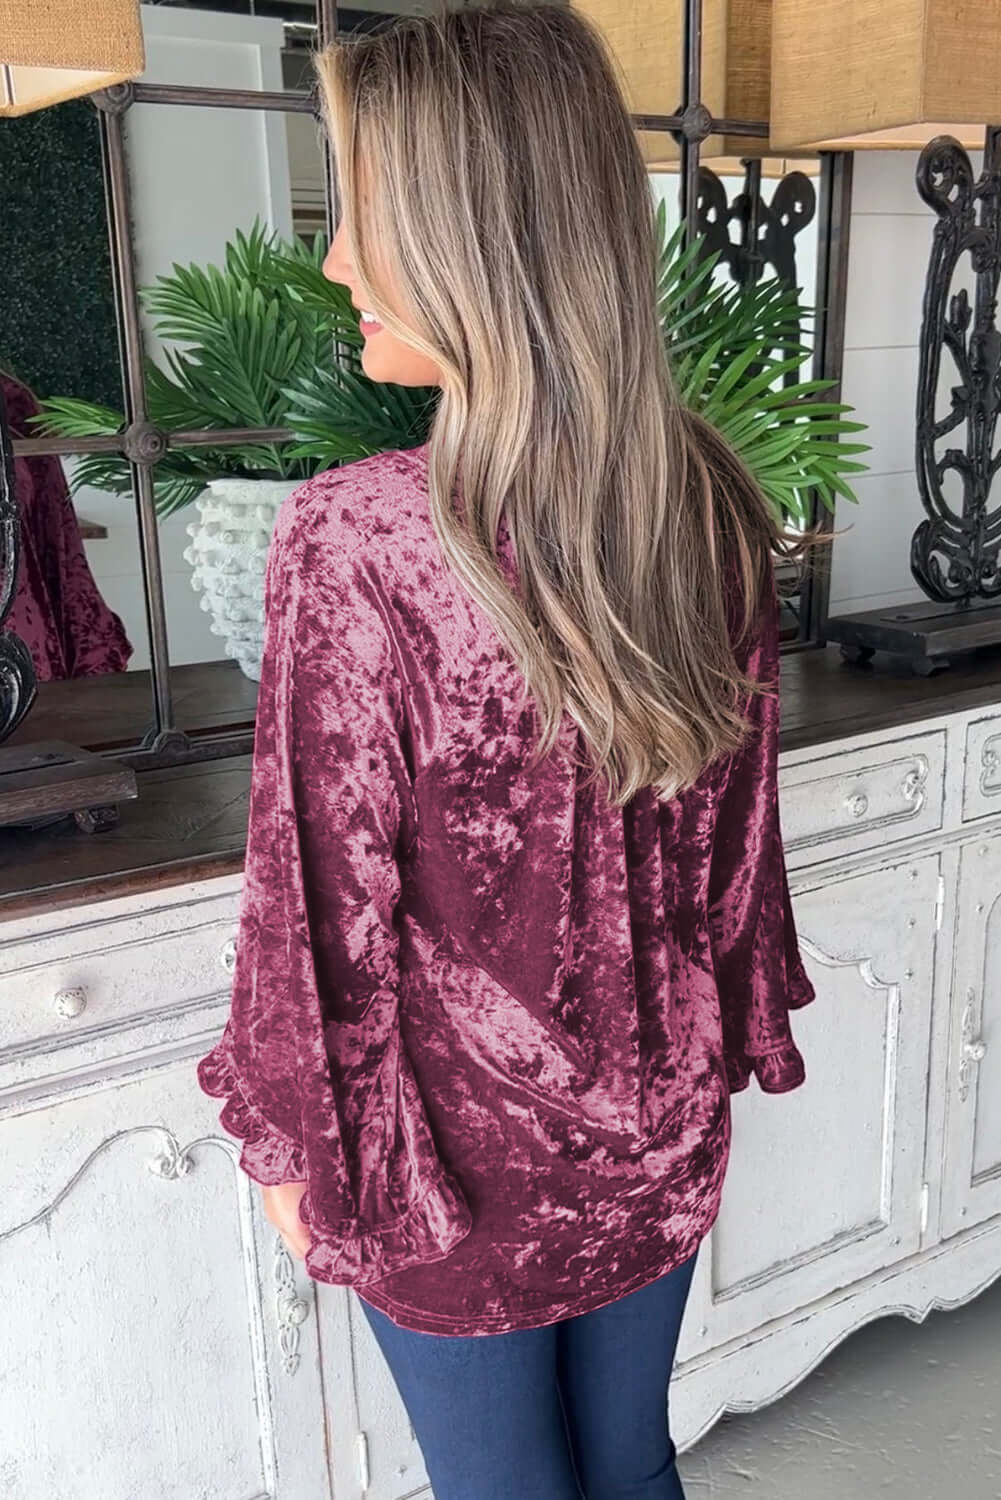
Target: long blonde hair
x=486 y=159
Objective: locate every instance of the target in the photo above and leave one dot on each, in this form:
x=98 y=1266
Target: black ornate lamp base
x=927 y=635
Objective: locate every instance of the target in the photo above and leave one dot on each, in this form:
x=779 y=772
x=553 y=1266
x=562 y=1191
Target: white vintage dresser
x=158 y=1342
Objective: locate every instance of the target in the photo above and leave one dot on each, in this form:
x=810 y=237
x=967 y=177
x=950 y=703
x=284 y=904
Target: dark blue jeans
x=574 y=1408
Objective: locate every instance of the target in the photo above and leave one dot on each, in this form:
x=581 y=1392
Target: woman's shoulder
x=354 y=506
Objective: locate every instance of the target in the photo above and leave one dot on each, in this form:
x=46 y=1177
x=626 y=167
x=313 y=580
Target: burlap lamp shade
x=857 y=74
x=51 y=50
x=646 y=38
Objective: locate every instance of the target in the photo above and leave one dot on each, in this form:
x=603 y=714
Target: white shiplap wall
x=888 y=258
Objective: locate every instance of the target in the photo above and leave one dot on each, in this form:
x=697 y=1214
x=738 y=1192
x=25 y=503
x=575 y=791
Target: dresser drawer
x=860 y=799
x=982 y=768
x=62 y=985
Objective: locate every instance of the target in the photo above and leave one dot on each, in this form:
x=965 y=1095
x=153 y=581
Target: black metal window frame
x=143 y=444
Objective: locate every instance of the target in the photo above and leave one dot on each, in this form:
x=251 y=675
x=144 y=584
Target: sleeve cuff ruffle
x=776 y=1072
x=781 y=1068
x=266 y=1155
x=351 y=1253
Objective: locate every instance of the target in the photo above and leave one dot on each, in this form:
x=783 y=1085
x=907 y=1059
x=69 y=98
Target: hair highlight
x=489 y=174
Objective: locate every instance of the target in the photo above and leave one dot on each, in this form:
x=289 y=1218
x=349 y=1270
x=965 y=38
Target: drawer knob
x=228 y=956
x=70 y=1003
x=858 y=805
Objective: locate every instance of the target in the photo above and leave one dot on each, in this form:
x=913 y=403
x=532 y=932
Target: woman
x=515 y=918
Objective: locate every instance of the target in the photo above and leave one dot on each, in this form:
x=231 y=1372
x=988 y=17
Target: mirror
x=200 y=178
x=58 y=338
x=222 y=199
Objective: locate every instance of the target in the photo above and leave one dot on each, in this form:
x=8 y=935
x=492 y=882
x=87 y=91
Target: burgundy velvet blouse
x=491 y=1021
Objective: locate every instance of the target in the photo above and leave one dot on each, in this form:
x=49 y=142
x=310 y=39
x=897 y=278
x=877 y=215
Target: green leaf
x=64 y=416
x=266 y=340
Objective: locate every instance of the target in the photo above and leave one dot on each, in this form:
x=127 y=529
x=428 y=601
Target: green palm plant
x=268 y=342
x=736 y=352
x=247 y=342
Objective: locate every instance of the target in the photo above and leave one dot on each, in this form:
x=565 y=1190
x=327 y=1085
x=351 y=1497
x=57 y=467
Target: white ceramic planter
x=228 y=553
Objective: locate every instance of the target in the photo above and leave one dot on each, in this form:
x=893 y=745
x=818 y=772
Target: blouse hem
x=404 y=1315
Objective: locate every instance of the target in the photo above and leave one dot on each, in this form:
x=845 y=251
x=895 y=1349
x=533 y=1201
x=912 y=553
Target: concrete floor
x=900 y=1411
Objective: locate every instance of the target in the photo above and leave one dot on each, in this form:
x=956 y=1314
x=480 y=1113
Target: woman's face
x=384 y=357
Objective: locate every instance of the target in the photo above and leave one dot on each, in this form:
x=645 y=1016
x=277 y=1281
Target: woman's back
x=513 y=1010
x=515 y=919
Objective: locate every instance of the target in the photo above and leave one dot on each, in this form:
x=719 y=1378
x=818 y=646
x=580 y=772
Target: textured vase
x=228 y=553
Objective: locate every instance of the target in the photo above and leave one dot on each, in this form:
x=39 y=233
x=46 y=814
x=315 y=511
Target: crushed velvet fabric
x=492 y=1022
x=57 y=608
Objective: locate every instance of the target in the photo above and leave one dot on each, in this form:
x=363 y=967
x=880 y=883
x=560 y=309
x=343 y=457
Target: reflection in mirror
x=67 y=609
x=58 y=332
x=218 y=247
x=215 y=546
x=221 y=45
x=82 y=557
x=79 y=606
x=80 y=603
x=58 y=337
x=233 y=43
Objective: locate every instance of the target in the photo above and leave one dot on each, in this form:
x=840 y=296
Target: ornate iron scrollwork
x=954 y=552
x=17 y=670
x=767 y=230
x=767 y=237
